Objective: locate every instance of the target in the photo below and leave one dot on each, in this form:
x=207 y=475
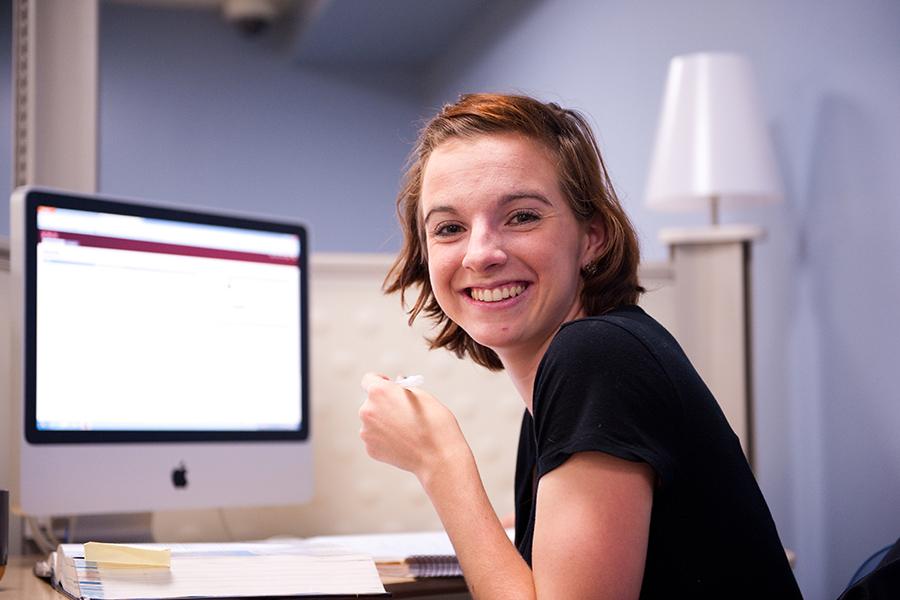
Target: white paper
x=384 y=547
x=233 y=570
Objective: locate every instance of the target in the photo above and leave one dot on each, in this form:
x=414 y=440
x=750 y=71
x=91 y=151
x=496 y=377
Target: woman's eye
x=524 y=216
x=447 y=229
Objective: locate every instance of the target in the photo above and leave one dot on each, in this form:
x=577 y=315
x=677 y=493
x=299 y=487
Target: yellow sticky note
x=119 y=554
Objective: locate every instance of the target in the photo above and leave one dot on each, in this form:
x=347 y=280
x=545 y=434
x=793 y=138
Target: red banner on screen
x=98 y=241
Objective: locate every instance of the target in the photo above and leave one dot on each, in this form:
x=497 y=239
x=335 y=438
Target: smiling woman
x=629 y=481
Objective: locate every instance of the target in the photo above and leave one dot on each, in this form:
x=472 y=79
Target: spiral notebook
x=419 y=554
x=421 y=566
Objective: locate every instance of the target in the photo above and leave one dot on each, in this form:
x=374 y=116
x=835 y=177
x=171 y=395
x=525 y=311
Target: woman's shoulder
x=627 y=326
x=625 y=341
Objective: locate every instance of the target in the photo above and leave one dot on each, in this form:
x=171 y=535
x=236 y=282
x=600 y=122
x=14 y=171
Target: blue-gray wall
x=195 y=114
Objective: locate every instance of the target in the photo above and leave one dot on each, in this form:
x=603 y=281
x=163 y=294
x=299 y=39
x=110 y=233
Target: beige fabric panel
x=355 y=328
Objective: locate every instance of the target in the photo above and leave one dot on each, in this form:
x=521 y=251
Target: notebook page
x=385 y=547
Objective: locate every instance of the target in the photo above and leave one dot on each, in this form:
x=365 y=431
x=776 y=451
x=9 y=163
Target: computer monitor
x=162 y=356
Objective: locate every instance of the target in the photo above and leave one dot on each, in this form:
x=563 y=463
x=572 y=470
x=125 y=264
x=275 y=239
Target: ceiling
x=173 y=3
x=406 y=34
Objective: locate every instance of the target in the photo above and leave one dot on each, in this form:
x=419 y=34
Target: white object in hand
x=410 y=381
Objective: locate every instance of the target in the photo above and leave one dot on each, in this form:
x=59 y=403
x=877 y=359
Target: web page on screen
x=154 y=325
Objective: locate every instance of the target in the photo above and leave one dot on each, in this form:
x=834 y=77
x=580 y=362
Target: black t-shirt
x=621 y=384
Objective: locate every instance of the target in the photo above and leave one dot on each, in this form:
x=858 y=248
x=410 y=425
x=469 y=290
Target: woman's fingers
x=370 y=379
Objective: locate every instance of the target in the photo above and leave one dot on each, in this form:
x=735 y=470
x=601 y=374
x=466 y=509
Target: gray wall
x=194 y=114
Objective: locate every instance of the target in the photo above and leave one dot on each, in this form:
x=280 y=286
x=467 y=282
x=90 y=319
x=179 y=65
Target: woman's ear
x=594 y=240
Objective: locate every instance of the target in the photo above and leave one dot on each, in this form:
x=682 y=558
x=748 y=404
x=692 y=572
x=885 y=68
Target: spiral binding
x=436 y=565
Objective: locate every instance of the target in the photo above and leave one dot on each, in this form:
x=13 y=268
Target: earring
x=591 y=269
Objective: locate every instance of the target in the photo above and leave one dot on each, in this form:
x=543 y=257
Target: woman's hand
x=408 y=428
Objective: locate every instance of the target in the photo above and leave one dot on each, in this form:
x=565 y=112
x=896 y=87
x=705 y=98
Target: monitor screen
x=150 y=324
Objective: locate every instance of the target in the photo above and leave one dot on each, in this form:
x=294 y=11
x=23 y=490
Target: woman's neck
x=521 y=364
x=522 y=368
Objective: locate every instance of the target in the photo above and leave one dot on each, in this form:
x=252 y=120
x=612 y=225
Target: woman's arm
x=492 y=566
x=593 y=511
x=411 y=430
x=591 y=528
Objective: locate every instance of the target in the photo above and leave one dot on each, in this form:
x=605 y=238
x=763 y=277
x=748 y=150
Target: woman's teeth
x=496 y=294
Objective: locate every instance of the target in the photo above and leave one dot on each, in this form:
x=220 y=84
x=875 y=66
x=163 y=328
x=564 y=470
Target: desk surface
x=20 y=583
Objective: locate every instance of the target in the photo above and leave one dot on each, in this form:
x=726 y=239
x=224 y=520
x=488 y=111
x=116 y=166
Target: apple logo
x=179 y=476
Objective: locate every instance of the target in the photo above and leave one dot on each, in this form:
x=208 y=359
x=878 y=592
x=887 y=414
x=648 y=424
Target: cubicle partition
x=700 y=295
x=356 y=328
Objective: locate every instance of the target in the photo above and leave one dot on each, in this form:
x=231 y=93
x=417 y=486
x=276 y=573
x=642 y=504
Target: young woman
x=629 y=481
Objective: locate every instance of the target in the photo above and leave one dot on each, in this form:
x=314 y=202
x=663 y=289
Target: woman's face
x=504 y=248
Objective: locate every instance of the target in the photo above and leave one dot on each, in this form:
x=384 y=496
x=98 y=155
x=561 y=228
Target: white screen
x=154 y=325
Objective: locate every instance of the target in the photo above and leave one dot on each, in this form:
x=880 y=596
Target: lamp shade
x=712 y=141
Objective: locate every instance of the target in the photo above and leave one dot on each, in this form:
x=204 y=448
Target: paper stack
x=258 y=569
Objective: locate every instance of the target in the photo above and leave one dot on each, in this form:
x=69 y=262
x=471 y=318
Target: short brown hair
x=609 y=282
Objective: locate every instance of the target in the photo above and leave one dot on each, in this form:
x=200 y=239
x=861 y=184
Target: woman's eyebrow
x=525 y=194
x=439 y=209
x=504 y=200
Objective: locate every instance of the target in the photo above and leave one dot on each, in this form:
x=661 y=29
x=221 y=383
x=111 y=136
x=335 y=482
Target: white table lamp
x=712 y=144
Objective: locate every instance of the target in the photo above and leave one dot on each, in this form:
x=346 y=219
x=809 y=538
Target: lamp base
x=711 y=234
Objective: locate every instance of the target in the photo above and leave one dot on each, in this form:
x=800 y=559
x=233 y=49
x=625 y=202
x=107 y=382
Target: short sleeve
x=599 y=388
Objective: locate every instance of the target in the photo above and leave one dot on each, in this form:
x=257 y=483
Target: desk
x=20 y=583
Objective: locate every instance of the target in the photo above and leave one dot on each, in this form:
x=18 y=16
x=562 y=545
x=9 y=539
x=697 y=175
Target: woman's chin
x=492 y=340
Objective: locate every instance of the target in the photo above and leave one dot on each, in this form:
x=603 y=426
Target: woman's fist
x=407 y=428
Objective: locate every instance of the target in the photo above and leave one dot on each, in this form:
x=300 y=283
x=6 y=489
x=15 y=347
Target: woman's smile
x=494 y=294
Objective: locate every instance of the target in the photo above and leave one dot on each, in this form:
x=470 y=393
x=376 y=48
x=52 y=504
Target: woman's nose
x=484 y=250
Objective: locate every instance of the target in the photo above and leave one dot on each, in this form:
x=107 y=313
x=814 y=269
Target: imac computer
x=161 y=357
